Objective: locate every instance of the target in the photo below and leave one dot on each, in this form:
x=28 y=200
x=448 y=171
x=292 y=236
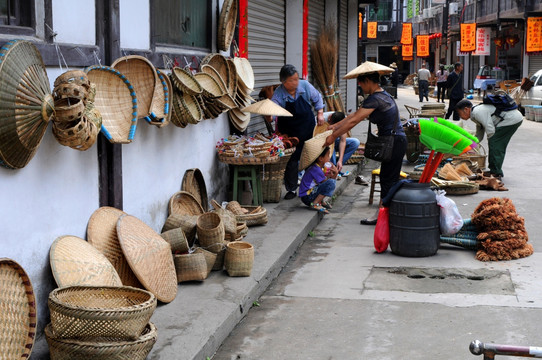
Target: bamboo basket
x=220 y=251
x=273 y=177
x=257 y=215
x=186 y=222
x=183 y=202
x=160 y=111
x=478 y=155
x=226 y=24
x=103 y=349
x=194 y=183
x=176 y=239
x=184 y=81
x=210 y=258
x=210 y=229
x=191 y=267
x=228 y=218
x=93 y=312
x=239 y=258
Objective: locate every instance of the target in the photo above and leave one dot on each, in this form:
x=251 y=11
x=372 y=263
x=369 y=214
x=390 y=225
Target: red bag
x=382 y=230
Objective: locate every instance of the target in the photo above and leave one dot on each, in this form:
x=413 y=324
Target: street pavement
x=338 y=299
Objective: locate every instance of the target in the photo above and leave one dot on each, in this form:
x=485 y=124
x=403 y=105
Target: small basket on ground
x=191 y=267
x=239 y=258
x=176 y=239
x=92 y=312
x=210 y=229
x=220 y=251
x=103 y=348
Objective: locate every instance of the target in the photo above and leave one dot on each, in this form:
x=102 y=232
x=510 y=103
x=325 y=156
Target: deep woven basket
x=91 y=312
x=176 y=239
x=102 y=349
x=228 y=218
x=257 y=215
x=210 y=229
x=239 y=258
x=273 y=177
x=184 y=221
x=183 y=202
x=190 y=267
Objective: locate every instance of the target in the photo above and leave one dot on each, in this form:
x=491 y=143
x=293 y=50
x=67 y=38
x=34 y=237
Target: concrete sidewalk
x=203 y=314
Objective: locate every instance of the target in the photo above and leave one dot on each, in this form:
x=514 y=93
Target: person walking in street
x=299 y=97
x=423 y=83
x=380 y=109
x=394 y=78
x=455 y=90
x=499 y=130
x=442 y=77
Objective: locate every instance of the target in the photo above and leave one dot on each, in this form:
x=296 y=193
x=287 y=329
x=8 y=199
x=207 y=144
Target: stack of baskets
x=250 y=215
x=273 y=176
x=100 y=323
x=77 y=121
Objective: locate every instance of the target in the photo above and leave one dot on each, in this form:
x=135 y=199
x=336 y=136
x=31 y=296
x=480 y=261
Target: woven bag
x=105 y=349
x=210 y=229
x=190 y=267
x=177 y=240
x=239 y=258
x=93 y=312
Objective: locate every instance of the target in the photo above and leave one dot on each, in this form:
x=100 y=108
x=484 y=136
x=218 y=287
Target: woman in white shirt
x=442 y=76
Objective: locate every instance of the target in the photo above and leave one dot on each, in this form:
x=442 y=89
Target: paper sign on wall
x=483 y=41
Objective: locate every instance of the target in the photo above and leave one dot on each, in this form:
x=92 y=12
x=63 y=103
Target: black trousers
x=290 y=174
x=441 y=88
x=390 y=171
x=451 y=108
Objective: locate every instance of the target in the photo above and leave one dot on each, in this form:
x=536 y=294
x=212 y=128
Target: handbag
x=379 y=148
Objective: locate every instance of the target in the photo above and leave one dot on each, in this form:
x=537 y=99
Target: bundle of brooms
x=324 y=53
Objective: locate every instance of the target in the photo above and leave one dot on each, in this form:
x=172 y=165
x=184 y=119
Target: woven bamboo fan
x=142 y=76
x=102 y=234
x=194 y=183
x=183 y=202
x=26 y=103
x=75 y=262
x=18 y=317
x=226 y=24
x=161 y=104
x=184 y=81
x=149 y=257
x=116 y=101
x=245 y=74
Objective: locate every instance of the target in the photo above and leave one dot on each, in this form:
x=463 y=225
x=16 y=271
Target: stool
x=374 y=175
x=252 y=174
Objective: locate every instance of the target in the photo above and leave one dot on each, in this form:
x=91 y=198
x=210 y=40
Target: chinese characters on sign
x=468 y=37
x=422 y=45
x=406 y=35
x=534 y=34
x=483 y=41
x=407 y=52
x=371 y=30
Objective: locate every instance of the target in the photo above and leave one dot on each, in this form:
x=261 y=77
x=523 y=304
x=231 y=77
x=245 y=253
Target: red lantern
x=499 y=41
x=512 y=40
x=395 y=48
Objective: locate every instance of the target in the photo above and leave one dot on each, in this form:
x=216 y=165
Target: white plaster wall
x=155 y=163
x=135 y=24
x=74 y=22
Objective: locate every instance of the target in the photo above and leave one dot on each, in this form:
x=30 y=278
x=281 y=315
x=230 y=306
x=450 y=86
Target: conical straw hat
x=368 y=67
x=312 y=149
x=267 y=107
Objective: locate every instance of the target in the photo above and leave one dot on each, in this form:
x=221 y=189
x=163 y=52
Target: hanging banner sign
x=406 y=35
x=483 y=42
x=371 y=29
x=407 y=50
x=360 y=25
x=422 y=45
x=534 y=34
x=468 y=37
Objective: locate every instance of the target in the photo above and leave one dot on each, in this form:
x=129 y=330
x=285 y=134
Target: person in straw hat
x=319 y=179
x=298 y=97
x=380 y=109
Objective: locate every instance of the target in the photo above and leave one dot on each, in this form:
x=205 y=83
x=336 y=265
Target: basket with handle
x=104 y=348
x=93 y=312
x=191 y=267
x=239 y=258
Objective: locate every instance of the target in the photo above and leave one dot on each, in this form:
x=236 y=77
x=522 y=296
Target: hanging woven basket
x=226 y=24
x=160 y=113
x=184 y=81
x=26 y=103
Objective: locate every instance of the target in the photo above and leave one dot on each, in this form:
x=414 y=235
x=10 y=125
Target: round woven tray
x=471 y=188
x=102 y=234
x=18 y=317
x=142 y=76
x=93 y=312
x=257 y=215
x=75 y=262
x=104 y=349
x=24 y=122
x=194 y=183
x=116 y=101
x=184 y=203
x=149 y=256
x=226 y=24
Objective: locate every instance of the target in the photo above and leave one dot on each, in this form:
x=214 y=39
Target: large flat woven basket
x=257 y=215
x=102 y=349
x=92 y=312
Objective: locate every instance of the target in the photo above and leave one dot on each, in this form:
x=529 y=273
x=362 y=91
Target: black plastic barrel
x=414 y=221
